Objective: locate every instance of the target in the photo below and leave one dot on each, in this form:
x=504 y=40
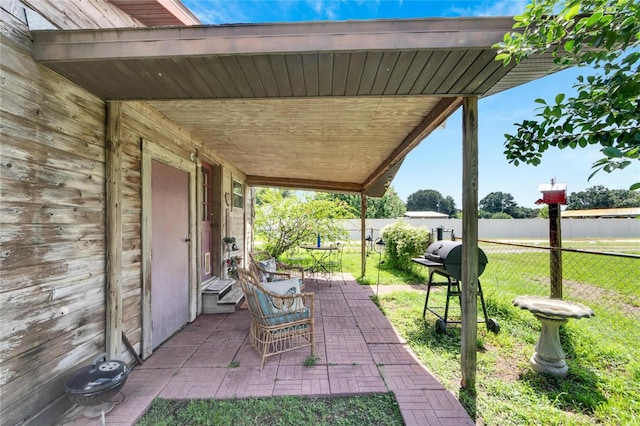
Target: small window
x=238 y=194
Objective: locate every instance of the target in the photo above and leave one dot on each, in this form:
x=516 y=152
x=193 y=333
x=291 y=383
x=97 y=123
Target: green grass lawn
x=377 y=409
x=603 y=352
x=603 y=384
x=601 y=387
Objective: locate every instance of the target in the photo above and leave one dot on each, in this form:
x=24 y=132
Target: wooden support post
x=468 y=340
x=198 y=234
x=555 y=241
x=113 y=147
x=363 y=242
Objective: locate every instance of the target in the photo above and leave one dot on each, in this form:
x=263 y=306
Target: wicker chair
x=279 y=322
x=282 y=271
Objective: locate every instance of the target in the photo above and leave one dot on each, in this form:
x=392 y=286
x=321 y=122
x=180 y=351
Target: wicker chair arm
x=285 y=267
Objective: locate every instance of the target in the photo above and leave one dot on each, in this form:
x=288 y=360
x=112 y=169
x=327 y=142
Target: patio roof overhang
x=330 y=106
x=158 y=12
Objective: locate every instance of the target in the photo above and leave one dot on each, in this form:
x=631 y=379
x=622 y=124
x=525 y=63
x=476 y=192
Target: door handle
x=187 y=240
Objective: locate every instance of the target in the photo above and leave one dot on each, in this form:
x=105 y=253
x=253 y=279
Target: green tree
x=431 y=200
x=483 y=214
x=388 y=206
x=284 y=222
x=498 y=202
x=501 y=215
x=625 y=198
x=526 y=212
x=262 y=193
x=600 y=197
x=543 y=213
x=602 y=35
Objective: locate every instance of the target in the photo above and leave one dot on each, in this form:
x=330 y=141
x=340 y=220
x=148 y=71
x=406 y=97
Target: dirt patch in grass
x=506 y=368
x=596 y=295
x=390 y=288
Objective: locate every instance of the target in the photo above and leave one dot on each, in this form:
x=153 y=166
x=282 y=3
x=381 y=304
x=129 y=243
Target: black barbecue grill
x=444 y=259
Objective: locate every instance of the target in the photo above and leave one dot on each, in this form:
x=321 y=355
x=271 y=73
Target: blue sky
x=437 y=162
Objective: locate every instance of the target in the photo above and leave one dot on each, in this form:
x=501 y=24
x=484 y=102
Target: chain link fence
x=609 y=283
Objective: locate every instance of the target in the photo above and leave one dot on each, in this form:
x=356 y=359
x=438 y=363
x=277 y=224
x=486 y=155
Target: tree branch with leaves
x=284 y=221
x=603 y=35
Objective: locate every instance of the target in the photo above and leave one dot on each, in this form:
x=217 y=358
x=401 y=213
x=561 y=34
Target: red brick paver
x=358 y=350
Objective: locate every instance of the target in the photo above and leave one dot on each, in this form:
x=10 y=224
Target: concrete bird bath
x=552 y=313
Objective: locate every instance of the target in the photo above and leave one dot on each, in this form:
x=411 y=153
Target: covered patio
x=102 y=106
x=321 y=106
x=359 y=353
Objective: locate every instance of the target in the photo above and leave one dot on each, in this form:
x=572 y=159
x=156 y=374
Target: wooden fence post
x=555 y=241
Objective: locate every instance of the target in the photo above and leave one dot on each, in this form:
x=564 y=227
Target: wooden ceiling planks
x=331 y=134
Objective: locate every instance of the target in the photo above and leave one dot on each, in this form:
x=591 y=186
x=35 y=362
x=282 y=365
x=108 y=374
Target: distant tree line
x=501 y=205
x=431 y=200
x=600 y=197
x=390 y=205
x=284 y=219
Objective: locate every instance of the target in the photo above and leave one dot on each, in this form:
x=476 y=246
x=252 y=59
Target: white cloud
x=492 y=8
x=218 y=12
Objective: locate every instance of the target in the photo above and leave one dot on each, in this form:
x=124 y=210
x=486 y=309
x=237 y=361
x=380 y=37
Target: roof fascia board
x=429 y=123
x=303 y=184
x=139 y=43
x=162 y=12
x=180 y=11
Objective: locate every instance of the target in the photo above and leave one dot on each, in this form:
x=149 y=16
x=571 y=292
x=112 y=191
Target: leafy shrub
x=402 y=242
x=501 y=215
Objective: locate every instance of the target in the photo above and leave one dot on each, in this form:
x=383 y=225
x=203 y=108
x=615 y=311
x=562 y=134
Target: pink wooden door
x=169 y=251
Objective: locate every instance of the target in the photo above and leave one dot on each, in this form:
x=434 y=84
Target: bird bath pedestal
x=552 y=313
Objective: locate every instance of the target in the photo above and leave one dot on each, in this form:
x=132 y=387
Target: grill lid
x=100 y=376
x=449 y=254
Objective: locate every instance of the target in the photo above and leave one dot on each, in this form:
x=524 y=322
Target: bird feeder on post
x=554 y=194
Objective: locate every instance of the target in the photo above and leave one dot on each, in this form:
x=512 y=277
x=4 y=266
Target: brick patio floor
x=359 y=353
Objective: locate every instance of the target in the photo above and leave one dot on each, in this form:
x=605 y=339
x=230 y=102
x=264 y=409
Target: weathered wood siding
x=139 y=121
x=53 y=215
x=234 y=217
x=142 y=121
x=85 y=14
x=52 y=268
